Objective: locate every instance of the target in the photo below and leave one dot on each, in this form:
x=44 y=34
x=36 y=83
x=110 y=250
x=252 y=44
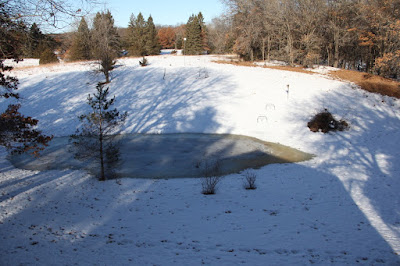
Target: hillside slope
x=342 y=207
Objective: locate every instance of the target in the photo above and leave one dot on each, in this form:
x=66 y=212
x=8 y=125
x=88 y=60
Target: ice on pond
x=171 y=155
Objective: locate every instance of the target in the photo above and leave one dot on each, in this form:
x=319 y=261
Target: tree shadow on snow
x=296 y=215
x=363 y=158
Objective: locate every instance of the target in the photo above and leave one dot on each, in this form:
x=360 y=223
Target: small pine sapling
x=96 y=140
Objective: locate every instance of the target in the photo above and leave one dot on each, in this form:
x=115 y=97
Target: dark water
x=171 y=155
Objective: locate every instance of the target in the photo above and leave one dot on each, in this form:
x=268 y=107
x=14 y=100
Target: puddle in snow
x=171 y=155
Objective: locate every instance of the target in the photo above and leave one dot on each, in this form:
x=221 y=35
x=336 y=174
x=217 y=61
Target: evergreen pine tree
x=137 y=35
x=35 y=38
x=96 y=139
x=48 y=56
x=204 y=34
x=105 y=41
x=80 y=49
x=37 y=42
x=12 y=34
x=193 y=43
x=152 y=46
x=17 y=132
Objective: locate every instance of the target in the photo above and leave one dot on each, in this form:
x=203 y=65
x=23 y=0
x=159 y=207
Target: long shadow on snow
x=374 y=164
x=298 y=215
x=56 y=100
x=182 y=102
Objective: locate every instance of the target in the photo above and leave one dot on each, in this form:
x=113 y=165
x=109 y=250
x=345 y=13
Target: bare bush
x=250 y=178
x=211 y=178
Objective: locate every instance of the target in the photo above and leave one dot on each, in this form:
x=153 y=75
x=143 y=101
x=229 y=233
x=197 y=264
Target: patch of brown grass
x=292 y=69
x=236 y=63
x=369 y=82
x=251 y=64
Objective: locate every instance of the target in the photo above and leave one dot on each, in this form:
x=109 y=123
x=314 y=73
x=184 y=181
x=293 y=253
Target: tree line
x=352 y=34
x=143 y=38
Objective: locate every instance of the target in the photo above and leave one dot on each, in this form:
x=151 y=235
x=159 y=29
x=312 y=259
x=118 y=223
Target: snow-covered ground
x=342 y=207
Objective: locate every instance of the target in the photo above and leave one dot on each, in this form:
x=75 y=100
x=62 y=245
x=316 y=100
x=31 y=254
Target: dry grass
x=371 y=83
x=251 y=64
x=235 y=63
x=290 y=68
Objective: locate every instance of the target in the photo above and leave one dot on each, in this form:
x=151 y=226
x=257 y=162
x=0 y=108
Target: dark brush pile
x=325 y=122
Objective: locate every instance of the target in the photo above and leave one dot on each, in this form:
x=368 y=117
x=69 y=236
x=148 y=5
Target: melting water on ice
x=171 y=155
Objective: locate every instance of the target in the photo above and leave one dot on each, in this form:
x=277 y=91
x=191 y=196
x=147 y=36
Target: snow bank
x=27 y=62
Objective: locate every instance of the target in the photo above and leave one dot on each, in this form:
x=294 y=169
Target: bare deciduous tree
x=51 y=12
x=343 y=33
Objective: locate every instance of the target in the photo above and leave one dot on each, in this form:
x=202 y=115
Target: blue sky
x=164 y=12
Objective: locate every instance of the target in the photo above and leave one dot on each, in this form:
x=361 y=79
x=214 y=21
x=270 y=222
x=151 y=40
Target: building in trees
x=81 y=46
x=105 y=42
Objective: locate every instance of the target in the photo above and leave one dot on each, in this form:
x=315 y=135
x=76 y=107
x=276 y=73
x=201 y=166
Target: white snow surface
x=342 y=207
x=27 y=62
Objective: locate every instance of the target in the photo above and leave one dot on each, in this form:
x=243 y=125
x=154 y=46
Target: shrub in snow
x=48 y=56
x=325 y=122
x=211 y=178
x=144 y=62
x=250 y=178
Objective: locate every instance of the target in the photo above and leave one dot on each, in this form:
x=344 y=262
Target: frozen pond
x=171 y=155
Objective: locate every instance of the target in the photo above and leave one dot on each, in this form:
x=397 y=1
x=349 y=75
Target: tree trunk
x=290 y=49
x=107 y=74
x=336 y=40
x=263 y=50
x=328 y=53
x=102 y=175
